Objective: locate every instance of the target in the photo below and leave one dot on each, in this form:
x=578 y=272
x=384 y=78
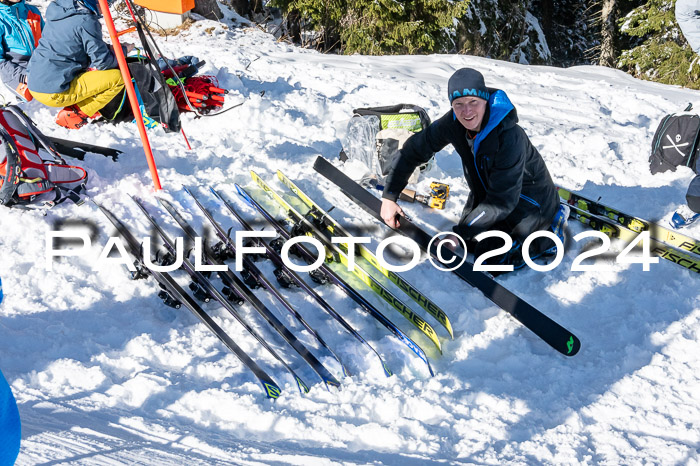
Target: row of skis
x=304 y=217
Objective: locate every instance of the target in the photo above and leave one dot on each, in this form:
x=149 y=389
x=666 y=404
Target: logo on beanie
x=470 y=92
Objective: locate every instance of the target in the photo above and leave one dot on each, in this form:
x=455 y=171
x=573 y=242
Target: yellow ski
x=365 y=277
x=337 y=230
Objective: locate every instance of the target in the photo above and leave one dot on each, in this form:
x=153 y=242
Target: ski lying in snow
x=547 y=329
x=304 y=226
x=279 y=263
x=330 y=275
x=176 y=293
x=635 y=224
x=205 y=289
x=262 y=281
x=656 y=248
x=232 y=281
x=325 y=222
x=78 y=150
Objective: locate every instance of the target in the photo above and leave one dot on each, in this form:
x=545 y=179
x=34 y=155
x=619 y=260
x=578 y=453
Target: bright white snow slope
x=104 y=373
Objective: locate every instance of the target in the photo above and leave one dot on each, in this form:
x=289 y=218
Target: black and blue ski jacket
x=510 y=187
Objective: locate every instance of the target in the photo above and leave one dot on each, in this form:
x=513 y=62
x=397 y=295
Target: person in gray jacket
x=72 y=66
x=510 y=187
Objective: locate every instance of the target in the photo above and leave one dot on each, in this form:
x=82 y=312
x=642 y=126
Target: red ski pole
x=131 y=92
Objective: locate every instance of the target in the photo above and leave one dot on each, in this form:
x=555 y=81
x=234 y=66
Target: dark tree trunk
x=607 y=44
x=242 y=7
x=547 y=20
x=208 y=8
x=294 y=26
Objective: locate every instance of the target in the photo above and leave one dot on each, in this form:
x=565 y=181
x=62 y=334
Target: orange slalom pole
x=131 y=92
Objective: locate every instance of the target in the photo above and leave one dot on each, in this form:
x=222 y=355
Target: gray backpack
x=375 y=135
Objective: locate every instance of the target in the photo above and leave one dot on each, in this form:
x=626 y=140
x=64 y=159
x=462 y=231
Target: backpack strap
x=8 y=189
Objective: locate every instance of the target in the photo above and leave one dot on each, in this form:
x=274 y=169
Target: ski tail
x=270 y=387
x=324 y=305
x=204 y=282
x=284 y=332
x=234 y=283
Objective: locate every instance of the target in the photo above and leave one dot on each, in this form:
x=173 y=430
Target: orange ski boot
x=72 y=117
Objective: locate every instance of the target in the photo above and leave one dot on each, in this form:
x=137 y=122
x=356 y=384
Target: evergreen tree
x=376 y=27
x=662 y=54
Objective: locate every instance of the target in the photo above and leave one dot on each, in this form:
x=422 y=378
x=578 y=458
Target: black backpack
x=158 y=106
x=676 y=142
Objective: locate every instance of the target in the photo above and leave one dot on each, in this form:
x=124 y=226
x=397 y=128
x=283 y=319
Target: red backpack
x=26 y=179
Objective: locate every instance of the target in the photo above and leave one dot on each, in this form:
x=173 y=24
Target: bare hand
x=390 y=213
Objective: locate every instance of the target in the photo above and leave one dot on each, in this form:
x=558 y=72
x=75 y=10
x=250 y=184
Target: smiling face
x=469 y=111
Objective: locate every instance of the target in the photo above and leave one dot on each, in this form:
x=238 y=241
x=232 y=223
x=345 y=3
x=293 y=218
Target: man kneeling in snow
x=510 y=187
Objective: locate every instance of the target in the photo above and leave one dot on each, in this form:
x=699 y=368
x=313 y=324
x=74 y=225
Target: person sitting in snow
x=72 y=67
x=20 y=31
x=510 y=187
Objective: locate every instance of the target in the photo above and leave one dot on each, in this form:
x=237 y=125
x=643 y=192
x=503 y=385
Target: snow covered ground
x=104 y=373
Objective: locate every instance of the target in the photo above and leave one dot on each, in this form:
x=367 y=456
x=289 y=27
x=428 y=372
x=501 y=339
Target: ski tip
x=272 y=391
x=187 y=190
x=303 y=388
x=448 y=327
x=215 y=192
x=331 y=383
x=242 y=192
x=430 y=369
x=387 y=371
x=573 y=344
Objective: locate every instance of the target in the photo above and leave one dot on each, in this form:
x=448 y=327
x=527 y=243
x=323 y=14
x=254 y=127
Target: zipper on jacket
x=22 y=31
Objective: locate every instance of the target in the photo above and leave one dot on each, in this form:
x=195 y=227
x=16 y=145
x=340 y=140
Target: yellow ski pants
x=90 y=91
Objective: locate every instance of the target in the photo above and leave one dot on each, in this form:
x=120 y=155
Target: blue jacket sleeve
x=101 y=56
